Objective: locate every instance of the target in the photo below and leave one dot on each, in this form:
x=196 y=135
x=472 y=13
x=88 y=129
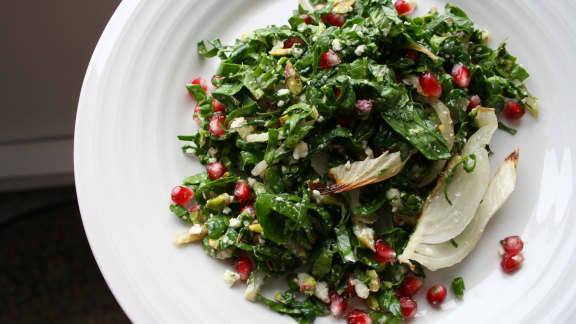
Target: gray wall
x=45 y=47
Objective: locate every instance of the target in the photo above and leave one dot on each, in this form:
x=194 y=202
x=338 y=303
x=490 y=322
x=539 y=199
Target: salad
x=349 y=150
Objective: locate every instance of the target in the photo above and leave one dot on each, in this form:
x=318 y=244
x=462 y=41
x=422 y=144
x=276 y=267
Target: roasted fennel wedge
x=453 y=202
x=446 y=254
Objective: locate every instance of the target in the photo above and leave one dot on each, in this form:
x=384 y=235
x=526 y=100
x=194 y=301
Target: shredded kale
x=294 y=101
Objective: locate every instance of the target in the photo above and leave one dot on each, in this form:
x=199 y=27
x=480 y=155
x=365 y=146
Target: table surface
x=47 y=272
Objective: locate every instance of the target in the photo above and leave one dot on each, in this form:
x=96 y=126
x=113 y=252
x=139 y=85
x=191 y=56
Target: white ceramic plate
x=127 y=158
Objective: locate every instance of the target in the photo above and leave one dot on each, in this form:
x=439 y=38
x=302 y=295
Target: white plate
x=127 y=158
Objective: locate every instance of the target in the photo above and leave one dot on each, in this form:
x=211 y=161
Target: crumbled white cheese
x=317 y=196
x=197 y=229
x=230 y=277
x=224 y=254
x=359 y=51
x=394 y=196
x=238 y=122
x=189 y=150
x=235 y=222
x=336 y=45
x=213 y=152
x=238 y=125
x=321 y=292
x=254 y=138
x=283 y=92
x=251 y=182
x=259 y=168
x=361 y=289
x=226 y=210
x=280 y=103
x=279 y=199
x=348 y=166
x=300 y=151
x=320 y=119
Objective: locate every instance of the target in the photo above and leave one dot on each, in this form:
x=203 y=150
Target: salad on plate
x=348 y=151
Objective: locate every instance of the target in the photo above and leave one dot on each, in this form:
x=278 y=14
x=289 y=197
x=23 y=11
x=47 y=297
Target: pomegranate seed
x=217 y=106
x=358 y=316
x=337 y=92
x=475 y=101
x=412 y=55
x=289 y=43
x=364 y=107
x=512 y=110
x=249 y=209
x=243 y=266
x=216 y=126
x=306 y=18
x=461 y=75
x=334 y=19
x=430 y=85
x=197 y=115
x=384 y=253
x=408 y=307
x=410 y=286
x=512 y=244
x=338 y=304
x=242 y=192
x=511 y=262
x=200 y=81
x=436 y=294
x=349 y=292
x=328 y=60
x=182 y=195
x=216 y=170
x=402 y=7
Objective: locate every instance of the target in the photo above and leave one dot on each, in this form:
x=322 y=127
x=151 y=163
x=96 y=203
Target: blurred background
x=47 y=272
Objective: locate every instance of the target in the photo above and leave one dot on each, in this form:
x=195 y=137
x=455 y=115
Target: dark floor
x=47 y=272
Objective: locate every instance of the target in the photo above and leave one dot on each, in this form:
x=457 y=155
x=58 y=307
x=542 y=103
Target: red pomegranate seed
x=475 y=101
x=436 y=294
x=410 y=286
x=306 y=18
x=337 y=92
x=214 y=78
x=200 y=81
x=242 y=192
x=384 y=252
x=364 y=107
x=461 y=75
x=408 y=307
x=249 y=209
x=511 y=262
x=216 y=170
x=243 y=266
x=512 y=244
x=338 y=304
x=328 y=60
x=216 y=126
x=358 y=316
x=334 y=19
x=197 y=115
x=430 y=85
x=289 y=43
x=512 y=110
x=349 y=292
x=182 y=195
x=402 y=7
x=217 y=106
